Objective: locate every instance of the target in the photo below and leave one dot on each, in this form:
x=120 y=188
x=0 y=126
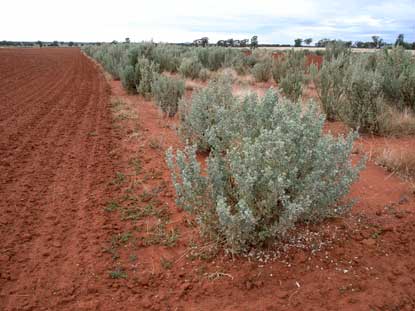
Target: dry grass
x=401 y=162
x=395 y=123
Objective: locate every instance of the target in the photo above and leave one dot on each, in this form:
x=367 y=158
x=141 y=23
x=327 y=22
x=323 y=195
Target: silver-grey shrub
x=292 y=84
x=128 y=79
x=329 y=83
x=167 y=93
x=145 y=72
x=190 y=68
x=275 y=169
x=363 y=97
x=262 y=70
x=202 y=111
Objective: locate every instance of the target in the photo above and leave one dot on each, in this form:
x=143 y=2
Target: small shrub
x=394 y=122
x=390 y=66
x=407 y=86
x=204 y=74
x=128 y=79
x=401 y=162
x=270 y=166
x=292 y=84
x=190 y=68
x=146 y=72
x=293 y=62
x=167 y=92
x=329 y=84
x=363 y=98
x=262 y=71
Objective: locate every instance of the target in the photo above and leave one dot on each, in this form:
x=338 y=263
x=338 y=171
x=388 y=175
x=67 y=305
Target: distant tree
x=114 y=42
x=359 y=44
x=308 y=41
x=229 y=42
x=377 y=42
x=322 y=42
x=400 y=40
x=55 y=43
x=127 y=40
x=70 y=43
x=298 y=42
x=254 y=42
x=348 y=44
x=221 y=43
x=205 y=41
x=244 y=42
x=40 y=43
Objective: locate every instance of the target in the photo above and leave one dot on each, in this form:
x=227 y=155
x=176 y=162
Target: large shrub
x=167 y=92
x=270 y=166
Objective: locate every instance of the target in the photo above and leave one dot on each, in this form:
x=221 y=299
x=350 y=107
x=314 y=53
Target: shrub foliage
x=270 y=166
x=167 y=93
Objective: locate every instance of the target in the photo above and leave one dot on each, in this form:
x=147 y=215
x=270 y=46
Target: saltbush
x=167 y=93
x=292 y=61
x=190 y=68
x=262 y=71
x=329 y=83
x=145 y=72
x=128 y=79
x=363 y=98
x=201 y=112
x=292 y=84
x=270 y=167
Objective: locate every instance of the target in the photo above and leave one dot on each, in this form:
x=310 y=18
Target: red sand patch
x=55 y=229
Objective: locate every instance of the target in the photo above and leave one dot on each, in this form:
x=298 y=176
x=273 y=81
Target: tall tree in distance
x=308 y=41
x=254 y=42
x=400 y=40
x=298 y=42
x=377 y=42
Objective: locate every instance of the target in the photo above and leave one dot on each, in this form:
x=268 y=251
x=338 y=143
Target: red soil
x=310 y=58
x=314 y=59
x=54 y=228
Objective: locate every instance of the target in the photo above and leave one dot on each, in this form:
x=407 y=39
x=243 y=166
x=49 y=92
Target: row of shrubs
x=269 y=166
x=189 y=61
x=131 y=62
x=366 y=90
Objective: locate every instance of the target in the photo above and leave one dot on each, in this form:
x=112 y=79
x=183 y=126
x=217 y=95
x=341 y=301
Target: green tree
x=254 y=42
x=308 y=41
x=400 y=40
x=298 y=42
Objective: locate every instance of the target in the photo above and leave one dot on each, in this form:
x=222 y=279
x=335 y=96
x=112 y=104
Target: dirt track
x=55 y=167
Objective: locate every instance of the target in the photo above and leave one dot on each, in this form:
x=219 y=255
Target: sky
x=273 y=21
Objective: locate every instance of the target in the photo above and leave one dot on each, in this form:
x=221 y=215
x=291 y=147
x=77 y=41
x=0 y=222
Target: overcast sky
x=273 y=21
